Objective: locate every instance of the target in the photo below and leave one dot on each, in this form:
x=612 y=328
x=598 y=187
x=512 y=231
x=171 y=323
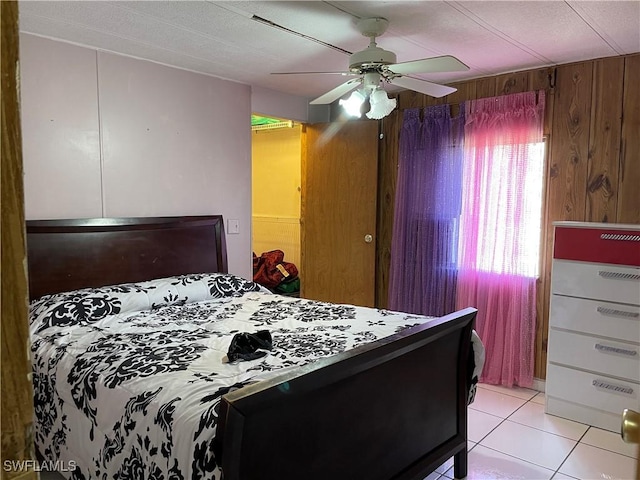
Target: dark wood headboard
x=67 y=255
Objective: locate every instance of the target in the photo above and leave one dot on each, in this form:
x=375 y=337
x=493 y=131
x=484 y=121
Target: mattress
x=128 y=378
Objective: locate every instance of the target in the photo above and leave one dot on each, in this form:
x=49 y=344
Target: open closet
x=314 y=198
x=276 y=186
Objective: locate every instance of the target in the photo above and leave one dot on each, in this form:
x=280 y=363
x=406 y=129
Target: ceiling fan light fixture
x=374 y=65
x=370 y=81
x=381 y=104
x=353 y=104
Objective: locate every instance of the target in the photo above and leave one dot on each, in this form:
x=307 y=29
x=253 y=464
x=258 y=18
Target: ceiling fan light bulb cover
x=353 y=104
x=381 y=105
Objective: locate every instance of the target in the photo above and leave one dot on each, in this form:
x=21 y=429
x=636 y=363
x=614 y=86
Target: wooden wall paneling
x=430 y=101
x=604 y=140
x=544 y=79
x=570 y=130
x=466 y=91
x=387 y=177
x=542 y=293
x=628 y=210
x=546 y=244
x=540 y=79
x=410 y=99
x=16 y=391
x=567 y=178
x=486 y=87
x=508 y=83
x=549 y=100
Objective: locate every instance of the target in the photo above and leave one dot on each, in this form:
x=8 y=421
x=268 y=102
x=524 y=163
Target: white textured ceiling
x=222 y=38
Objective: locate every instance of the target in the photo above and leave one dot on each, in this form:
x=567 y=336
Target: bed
x=131 y=320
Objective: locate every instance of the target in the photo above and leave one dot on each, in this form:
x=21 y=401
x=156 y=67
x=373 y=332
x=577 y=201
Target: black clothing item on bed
x=249 y=346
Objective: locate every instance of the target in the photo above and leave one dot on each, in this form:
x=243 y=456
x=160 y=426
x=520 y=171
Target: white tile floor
x=510 y=437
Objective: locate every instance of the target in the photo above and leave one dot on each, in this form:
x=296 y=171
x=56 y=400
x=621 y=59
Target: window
x=508 y=206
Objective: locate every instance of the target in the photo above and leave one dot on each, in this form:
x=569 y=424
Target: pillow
x=90 y=305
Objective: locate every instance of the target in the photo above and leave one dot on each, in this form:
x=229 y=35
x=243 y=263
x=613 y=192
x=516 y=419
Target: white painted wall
x=108 y=135
x=289 y=107
x=280 y=105
x=60 y=125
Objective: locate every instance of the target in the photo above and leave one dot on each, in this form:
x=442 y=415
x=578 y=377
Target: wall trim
x=539 y=384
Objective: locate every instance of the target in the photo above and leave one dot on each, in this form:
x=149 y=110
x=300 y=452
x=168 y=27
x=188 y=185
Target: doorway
x=276 y=186
x=314 y=198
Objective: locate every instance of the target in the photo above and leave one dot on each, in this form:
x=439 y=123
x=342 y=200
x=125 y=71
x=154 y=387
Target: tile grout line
x=502 y=420
x=494 y=428
x=569 y=454
x=540 y=429
x=510 y=395
x=589 y=427
x=552 y=433
x=490 y=431
x=566 y=476
x=606 y=449
x=522 y=459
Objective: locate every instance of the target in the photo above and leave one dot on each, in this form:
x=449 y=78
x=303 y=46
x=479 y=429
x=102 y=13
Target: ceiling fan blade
x=422 y=86
x=446 y=63
x=314 y=73
x=336 y=93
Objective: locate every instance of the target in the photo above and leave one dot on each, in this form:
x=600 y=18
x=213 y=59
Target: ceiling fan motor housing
x=371 y=57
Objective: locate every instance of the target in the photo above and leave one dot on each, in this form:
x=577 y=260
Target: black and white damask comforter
x=128 y=378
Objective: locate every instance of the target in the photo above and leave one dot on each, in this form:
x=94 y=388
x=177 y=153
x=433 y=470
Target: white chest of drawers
x=593 y=357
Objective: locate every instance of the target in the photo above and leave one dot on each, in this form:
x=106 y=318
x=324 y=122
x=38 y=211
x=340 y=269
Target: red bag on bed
x=270 y=269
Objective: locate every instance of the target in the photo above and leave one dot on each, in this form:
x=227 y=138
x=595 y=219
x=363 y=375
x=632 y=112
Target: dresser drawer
x=595 y=354
x=612 y=283
x=596 y=317
x=592 y=390
x=583 y=414
x=602 y=244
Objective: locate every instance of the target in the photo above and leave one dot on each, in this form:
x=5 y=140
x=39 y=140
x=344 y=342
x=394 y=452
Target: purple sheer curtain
x=500 y=230
x=427 y=210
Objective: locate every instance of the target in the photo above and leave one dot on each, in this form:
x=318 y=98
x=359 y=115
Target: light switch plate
x=233 y=226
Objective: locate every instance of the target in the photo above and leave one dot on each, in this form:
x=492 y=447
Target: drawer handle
x=609 y=349
x=619 y=275
x=612 y=387
x=621 y=313
x=619 y=236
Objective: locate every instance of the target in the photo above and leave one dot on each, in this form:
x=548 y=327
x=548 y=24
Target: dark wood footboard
x=393 y=409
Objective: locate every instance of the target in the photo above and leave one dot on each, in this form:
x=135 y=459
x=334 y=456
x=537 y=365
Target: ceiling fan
x=374 y=66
